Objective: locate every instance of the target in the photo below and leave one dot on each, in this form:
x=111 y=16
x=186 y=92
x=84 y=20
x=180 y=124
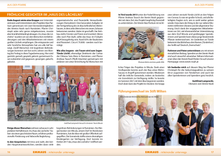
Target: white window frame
x=27 y=66
x=56 y=70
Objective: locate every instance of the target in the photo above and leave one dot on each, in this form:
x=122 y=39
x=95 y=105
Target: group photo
x=166 y=120
x=135 y=43
x=55 y=93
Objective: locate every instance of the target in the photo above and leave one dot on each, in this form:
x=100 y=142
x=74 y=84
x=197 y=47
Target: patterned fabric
x=28 y=93
x=161 y=123
x=73 y=93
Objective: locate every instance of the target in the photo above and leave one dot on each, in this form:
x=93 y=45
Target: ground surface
x=77 y=116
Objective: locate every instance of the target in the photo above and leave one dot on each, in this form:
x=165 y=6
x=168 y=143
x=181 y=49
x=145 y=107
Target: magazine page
x=110 y=77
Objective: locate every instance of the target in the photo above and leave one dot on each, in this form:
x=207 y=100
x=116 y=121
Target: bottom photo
x=166 y=120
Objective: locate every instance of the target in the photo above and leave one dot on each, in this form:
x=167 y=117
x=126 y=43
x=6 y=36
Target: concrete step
x=11 y=105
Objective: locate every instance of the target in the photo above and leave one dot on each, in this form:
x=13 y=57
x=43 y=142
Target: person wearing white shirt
x=132 y=129
x=173 y=114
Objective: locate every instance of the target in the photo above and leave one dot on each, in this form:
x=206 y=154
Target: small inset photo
x=55 y=93
x=166 y=120
x=135 y=43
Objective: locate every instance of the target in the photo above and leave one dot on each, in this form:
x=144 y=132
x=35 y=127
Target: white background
x=173 y=86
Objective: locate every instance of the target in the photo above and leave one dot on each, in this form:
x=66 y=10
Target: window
x=27 y=67
x=54 y=69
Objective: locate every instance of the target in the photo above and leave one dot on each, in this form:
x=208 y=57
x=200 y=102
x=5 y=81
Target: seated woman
x=187 y=123
x=153 y=45
x=162 y=132
x=205 y=125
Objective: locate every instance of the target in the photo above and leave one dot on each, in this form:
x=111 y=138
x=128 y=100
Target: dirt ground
x=77 y=116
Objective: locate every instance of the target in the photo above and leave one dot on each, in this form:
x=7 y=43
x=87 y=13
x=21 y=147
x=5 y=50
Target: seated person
x=153 y=45
x=128 y=44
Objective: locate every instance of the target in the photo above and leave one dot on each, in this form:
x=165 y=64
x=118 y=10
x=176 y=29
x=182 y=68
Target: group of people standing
x=168 y=127
x=37 y=91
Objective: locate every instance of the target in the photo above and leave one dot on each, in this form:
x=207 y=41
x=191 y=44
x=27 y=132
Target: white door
x=54 y=69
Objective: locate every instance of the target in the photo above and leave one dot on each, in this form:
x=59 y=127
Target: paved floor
x=77 y=116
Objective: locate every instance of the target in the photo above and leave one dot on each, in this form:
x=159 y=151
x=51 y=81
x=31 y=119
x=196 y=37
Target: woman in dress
x=63 y=94
x=183 y=121
x=36 y=80
x=148 y=118
x=93 y=88
x=82 y=94
x=73 y=94
x=29 y=93
x=153 y=45
x=41 y=96
x=205 y=125
x=162 y=131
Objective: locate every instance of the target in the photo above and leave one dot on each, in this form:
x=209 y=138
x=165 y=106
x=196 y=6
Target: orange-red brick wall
x=13 y=73
x=86 y=71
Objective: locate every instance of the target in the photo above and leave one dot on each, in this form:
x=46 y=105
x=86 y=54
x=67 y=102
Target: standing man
x=66 y=76
x=18 y=95
x=49 y=79
x=141 y=109
x=53 y=91
x=173 y=114
x=132 y=129
x=197 y=112
x=128 y=44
